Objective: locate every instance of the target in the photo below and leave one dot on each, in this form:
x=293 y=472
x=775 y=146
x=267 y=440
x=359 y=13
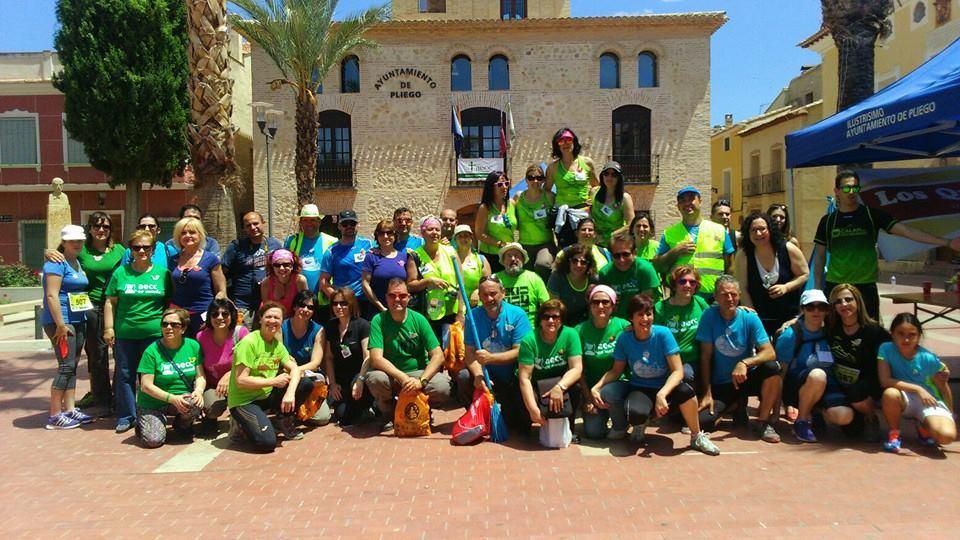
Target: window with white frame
x=19 y=138
x=74 y=152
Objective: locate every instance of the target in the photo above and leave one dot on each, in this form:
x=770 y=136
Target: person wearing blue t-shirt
x=916 y=386
x=244 y=264
x=655 y=385
x=500 y=326
x=810 y=382
x=736 y=361
x=342 y=264
x=402 y=223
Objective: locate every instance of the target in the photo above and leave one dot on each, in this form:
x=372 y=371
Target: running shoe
x=236 y=434
x=80 y=416
x=62 y=421
x=289 y=429
x=766 y=433
x=124 y=426
x=925 y=437
x=702 y=443
x=804 y=431
x=892 y=444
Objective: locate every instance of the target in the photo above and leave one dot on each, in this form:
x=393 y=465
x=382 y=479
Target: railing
x=751 y=186
x=764 y=184
x=335 y=176
x=639 y=170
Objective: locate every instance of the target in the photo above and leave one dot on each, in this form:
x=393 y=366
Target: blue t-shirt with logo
x=646 y=359
x=814 y=350
x=918 y=370
x=74 y=283
x=498 y=335
x=344 y=264
x=732 y=340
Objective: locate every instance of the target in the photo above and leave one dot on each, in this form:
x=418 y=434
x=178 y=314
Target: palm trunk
x=855 y=71
x=307 y=127
x=219 y=216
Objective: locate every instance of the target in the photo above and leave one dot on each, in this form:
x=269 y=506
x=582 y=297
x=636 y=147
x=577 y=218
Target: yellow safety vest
x=708 y=257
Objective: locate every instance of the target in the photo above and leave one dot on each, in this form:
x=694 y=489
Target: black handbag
x=544 y=386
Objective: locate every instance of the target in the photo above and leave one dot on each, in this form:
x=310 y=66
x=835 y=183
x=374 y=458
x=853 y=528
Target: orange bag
x=456 y=350
x=313 y=402
x=411 y=418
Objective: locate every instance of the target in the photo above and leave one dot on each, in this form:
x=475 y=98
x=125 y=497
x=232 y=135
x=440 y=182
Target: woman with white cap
x=65 y=321
x=473 y=265
x=612 y=208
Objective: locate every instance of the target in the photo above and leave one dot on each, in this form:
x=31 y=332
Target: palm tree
x=304 y=42
x=211 y=107
x=855 y=26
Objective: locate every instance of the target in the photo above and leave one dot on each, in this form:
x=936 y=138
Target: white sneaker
x=616 y=434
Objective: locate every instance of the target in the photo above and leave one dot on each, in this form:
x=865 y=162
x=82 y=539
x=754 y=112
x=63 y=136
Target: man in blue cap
x=695 y=241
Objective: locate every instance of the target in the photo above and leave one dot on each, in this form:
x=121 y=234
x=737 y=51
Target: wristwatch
x=423 y=382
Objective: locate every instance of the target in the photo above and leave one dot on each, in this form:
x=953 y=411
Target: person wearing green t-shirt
x=533 y=213
x=551 y=351
x=645 y=243
x=598 y=336
x=524 y=288
x=612 y=208
x=496 y=217
x=171 y=382
x=628 y=274
x=136 y=295
x=681 y=315
x=265 y=378
x=405 y=355
x=572 y=173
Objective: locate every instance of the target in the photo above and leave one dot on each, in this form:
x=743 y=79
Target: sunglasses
x=579 y=260
x=143 y=227
x=171 y=324
x=600 y=302
x=338 y=303
x=502 y=184
x=387 y=233
x=140 y=248
x=221 y=315
x=622 y=255
x=101 y=226
x=819 y=306
x=688 y=281
x=550 y=317
x=311 y=306
x=565 y=140
x=183 y=276
x=844 y=300
x=536 y=178
x=398 y=296
x=850 y=189
x=283 y=265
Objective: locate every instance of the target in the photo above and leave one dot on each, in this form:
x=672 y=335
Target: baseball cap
x=688 y=189
x=812 y=296
x=612 y=165
x=462 y=229
x=310 y=211
x=347 y=215
x=72 y=232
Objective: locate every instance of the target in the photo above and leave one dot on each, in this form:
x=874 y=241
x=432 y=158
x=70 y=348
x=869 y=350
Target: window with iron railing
x=631 y=142
x=335 y=157
x=513 y=9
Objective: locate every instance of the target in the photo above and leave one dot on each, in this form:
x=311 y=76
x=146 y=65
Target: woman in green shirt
x=574 y=274
x=572 y=173
x=171 y=382
x=533 y=213
x=612 y=207
x=644 y=233
x=496 y=218
x=549 y=364
x=136 y=295
x=681 y=315
x=598 y=336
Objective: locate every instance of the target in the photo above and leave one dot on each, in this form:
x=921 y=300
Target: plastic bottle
x=893 y=280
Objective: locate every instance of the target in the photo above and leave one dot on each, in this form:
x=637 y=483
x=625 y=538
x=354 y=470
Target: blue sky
x=753 y=56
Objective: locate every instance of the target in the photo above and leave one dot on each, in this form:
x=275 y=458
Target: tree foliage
x=304 y=42
x=124 y=79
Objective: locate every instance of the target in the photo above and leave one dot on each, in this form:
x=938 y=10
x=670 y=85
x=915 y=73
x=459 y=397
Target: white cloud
x=632 y=13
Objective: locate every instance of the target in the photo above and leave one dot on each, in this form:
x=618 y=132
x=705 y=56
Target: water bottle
x=893 y=280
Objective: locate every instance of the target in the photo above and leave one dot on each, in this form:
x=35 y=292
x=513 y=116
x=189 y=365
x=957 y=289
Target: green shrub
x=18 y=275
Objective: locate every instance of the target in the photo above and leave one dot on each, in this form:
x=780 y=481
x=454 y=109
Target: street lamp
x=267 y=120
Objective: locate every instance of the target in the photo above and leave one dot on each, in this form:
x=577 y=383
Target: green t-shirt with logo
x=159 y=361
x=405 y=344
x=526 y=291
x=598 y=345
x=141 y=299
x=682 y=321
x=264 y=360
x=549 y=359
x=639 y=277
x=534 y=222
x=99 y=266
x=851 y=241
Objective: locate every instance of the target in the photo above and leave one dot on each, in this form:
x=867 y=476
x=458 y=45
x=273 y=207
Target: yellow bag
x=456 y=350
x=411 y=418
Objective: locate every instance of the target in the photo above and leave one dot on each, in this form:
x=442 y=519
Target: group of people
x=574 y=308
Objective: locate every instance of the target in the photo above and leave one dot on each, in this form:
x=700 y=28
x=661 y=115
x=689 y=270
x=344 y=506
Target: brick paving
x=93 y=483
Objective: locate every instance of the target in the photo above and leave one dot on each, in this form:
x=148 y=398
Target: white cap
x=812 y=296
x=462 y=229
x=72 y=232
x=310 y=211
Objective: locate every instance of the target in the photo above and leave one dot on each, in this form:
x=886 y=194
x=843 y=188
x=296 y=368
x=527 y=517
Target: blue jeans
x=127 y=354
x=595 y=425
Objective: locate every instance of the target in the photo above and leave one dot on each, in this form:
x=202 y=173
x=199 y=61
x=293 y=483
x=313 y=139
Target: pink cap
x=603 y=289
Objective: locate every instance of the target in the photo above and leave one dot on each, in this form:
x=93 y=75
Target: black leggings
x=641 y=402
x=253 y=420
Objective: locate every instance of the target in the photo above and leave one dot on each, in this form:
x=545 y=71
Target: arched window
x=461 y=79
x=481 y=132
x=335 y=158
x=498 y=73
x=350 y=75
x=631 y=142
x=647 y=70
x=609 y=71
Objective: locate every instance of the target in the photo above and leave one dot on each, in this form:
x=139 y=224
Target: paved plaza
x=93 y=483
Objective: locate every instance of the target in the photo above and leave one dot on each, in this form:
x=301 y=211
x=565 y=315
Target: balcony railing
x=335 y=175
x=638 y=170
x=764 y=184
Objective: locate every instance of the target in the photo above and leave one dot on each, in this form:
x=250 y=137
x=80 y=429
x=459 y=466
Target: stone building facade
x=397 y=116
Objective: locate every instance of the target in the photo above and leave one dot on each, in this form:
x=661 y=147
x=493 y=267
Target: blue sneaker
x=124 y=426
x=892 y=443
x=803 y=430
x=79 y=416
x=925 y=437
x=62 y=421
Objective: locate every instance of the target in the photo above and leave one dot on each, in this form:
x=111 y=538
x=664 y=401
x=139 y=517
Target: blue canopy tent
x=916 y=117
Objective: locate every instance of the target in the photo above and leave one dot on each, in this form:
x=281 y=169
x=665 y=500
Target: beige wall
x=242 y=117
x=478 y=9
x=403 y=147
x=727 y=160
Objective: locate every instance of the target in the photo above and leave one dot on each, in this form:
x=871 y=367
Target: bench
x=19 y=307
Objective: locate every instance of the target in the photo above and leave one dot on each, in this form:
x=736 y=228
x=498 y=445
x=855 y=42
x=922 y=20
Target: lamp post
x=267 y=121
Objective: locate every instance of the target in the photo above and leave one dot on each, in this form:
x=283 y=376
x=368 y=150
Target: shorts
x=916 y=410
